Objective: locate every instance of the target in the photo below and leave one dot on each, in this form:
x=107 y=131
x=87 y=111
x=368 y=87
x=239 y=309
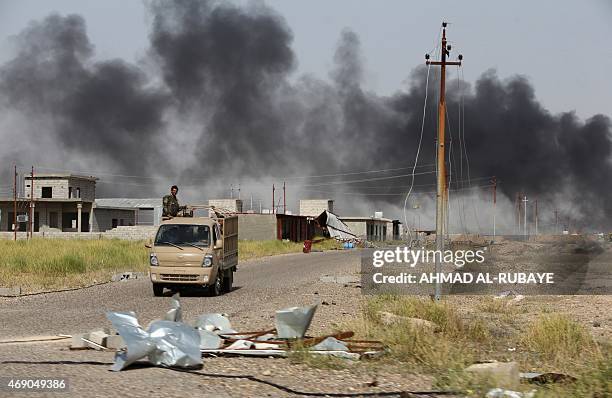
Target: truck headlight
x=208 y=260
x=153 y=259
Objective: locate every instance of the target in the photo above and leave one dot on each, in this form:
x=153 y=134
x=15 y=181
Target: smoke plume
x=222 y=103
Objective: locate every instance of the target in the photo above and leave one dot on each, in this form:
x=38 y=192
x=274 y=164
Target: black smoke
x=222 y=102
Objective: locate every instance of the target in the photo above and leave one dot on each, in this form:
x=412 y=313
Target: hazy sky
x=560 y=45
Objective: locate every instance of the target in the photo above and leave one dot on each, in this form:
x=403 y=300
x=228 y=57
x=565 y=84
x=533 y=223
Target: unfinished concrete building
x=314 y=207
x=62 y=202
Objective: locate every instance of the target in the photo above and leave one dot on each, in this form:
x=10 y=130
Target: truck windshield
x=183 y=235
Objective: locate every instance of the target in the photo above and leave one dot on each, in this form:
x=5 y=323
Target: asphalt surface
x=260 y=287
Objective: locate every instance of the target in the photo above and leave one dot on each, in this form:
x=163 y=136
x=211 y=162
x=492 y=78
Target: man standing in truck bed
x=170 y=203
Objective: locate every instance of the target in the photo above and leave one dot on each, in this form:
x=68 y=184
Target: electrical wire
x=416 y=158
x=366 y=179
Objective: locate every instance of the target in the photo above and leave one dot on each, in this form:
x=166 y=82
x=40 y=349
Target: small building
x=233 y=205
x=67 y=203
x=376 y=229
x=113 y=212
x=314 y=207
x=255 y=226
x=61 y=202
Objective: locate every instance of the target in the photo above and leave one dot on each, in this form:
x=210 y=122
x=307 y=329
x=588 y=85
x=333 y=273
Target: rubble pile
x=170 y=342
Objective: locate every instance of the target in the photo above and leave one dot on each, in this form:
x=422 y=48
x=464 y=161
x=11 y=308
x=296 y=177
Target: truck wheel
x=216 y=288
x=228 y=281
x=158 y=290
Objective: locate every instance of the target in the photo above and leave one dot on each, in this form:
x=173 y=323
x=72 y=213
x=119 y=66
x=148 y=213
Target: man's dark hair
x=174 y=187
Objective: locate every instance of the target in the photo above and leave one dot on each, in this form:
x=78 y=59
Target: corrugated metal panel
x=145 y=216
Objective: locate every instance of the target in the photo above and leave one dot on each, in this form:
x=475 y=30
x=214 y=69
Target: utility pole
x=251 y=202
x=231 y=191
x=284 y=199
x=441 y=193
x=536 y=217
x=556 y=221
x=238 y=191
x=517 y=209
x=15 y=203
x=494 y=182
x=31 y=220
x=525 y=215
x=273 y=199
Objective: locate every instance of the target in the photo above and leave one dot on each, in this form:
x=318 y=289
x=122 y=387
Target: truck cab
x=196 y=252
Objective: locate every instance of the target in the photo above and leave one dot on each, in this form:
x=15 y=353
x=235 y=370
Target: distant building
x=314 y=207
x=376 y=229
x=62 y=202
x=113 y=212
x=233 y=205
x=256 y=226
x=67 y=203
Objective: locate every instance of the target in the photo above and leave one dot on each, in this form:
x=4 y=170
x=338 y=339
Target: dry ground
x=490 y=329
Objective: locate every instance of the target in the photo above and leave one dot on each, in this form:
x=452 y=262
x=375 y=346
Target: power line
x=394 y=194
x=366 y=179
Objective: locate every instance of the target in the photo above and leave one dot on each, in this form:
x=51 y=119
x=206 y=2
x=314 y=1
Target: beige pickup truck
x=194 y=252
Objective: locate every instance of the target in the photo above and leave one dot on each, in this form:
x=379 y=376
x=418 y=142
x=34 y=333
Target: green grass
x=248 y=249
x=558 y=340
x=50 y=263
x=41 y=264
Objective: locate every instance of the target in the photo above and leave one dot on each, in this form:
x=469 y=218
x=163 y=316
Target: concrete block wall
x=357 y=227
x=103 y=218
x=60 y=188
x=314 y=207
x=88 y=188
x=135 y=232
x=234 y=205
x=257 y=227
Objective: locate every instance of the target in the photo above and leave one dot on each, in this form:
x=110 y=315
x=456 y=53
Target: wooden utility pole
x=525 y=214
x=494 y=182
x=441 y=193
x=284 y=198
x=15 y=203
x=272 y=200
x=31 y=220
x=536 y=217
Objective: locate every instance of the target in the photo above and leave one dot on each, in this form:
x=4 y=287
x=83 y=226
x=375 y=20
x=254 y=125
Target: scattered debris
x=504 y=373
x=501 y=393
x=124 y=276
x=544 y=378
x=174 y=314
x=172 y=343
x=330 y=344
x=212 y=322
x=165 y=343
x=510 y=293
x=293 y=322
x=35 y=339
x=387 y=318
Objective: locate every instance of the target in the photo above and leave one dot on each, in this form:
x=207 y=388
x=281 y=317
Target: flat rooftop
x=52 y=176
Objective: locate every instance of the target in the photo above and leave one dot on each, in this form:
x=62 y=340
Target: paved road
x=261 y=287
